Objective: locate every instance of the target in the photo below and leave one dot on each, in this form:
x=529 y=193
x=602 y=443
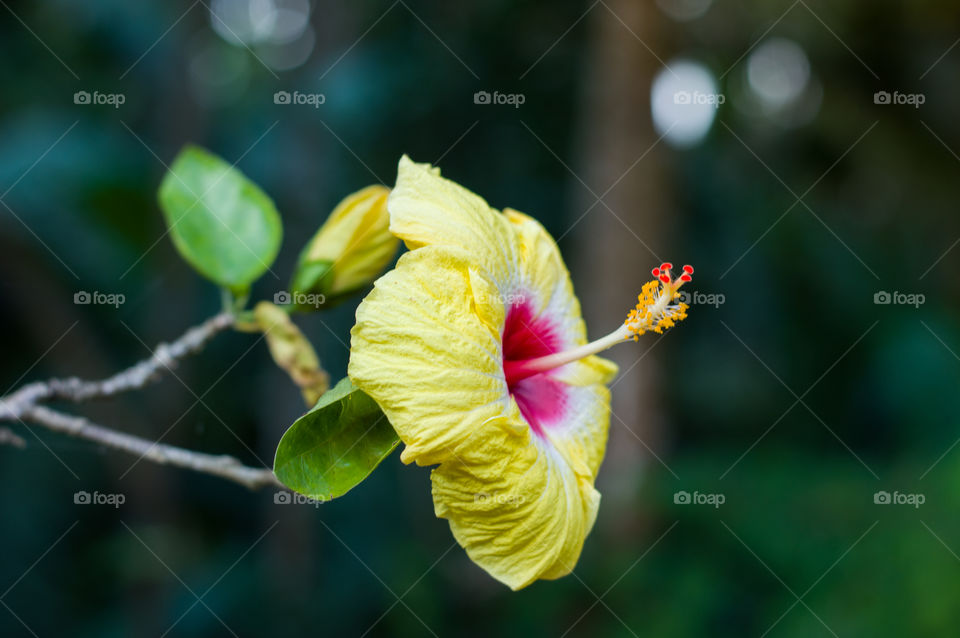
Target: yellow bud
x=351 y=249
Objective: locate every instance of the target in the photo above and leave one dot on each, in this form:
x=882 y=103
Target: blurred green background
x=799 y=199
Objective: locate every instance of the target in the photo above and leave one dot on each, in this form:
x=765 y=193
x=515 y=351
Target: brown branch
x=165 y=358
x=226 y=467
x=23 y=405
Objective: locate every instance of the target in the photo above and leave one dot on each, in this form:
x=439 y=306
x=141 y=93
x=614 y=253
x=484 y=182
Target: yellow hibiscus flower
x=475 y=349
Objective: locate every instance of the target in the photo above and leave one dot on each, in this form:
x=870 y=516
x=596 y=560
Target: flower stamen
x=655 y=311
x=655 y=308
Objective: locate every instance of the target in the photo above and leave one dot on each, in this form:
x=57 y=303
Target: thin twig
x=223 y=466
x=23 y=405
x=164 y=358
x=8 y=437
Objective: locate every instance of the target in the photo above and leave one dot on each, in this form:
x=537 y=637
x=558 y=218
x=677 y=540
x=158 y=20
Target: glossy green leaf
x=336 y=445
x=220 y=221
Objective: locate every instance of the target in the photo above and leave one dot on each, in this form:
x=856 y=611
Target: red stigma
x=688 y=270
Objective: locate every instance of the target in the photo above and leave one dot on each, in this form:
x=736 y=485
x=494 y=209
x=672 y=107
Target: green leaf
x=336 y=445
x=220 y=221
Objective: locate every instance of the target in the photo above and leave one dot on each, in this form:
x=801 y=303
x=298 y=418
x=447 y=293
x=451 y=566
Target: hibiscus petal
x=428 y=210
x=585 y=425
x=521 y=511
x=543 y=272
x=422 y=352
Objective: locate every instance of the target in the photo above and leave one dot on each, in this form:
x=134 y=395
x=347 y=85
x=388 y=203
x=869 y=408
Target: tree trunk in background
x=615 y=130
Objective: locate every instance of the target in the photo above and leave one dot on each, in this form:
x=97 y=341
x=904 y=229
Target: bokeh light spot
x=684 y=102
x=778 y=72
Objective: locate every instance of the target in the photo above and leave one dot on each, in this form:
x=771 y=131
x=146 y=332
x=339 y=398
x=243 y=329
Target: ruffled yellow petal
x=428 y=210
x=584 y=429
x=543 y=272
x=519 y=506
x=422 y=352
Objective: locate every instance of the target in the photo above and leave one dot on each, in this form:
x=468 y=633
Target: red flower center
x=541 y=399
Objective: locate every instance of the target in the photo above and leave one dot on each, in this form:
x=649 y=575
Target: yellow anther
x=655 y=310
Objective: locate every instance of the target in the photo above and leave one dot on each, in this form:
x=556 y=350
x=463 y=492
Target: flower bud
x=351 y=249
